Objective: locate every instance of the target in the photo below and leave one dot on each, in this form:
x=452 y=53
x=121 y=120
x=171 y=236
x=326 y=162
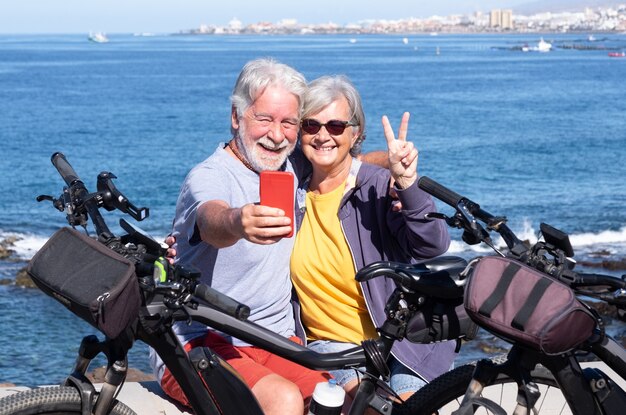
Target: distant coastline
x=597 y=20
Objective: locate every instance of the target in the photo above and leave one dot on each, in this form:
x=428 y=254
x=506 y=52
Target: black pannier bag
x=522 y=305
x=92 y=281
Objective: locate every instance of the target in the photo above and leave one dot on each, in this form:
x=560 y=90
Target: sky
x=170 y=16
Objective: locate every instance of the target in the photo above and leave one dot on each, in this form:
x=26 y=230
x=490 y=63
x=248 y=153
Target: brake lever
x=453 y=222
x=473 y=232
x=58 y=204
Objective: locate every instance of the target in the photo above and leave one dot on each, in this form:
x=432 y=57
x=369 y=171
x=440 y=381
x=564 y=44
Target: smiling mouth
x=324 y=148
x=278 y=149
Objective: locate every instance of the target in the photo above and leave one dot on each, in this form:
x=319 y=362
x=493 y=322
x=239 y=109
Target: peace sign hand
x=402 y=154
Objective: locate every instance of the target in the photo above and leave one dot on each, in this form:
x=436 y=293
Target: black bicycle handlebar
x=593 y=279
x=439 y=191
x=79 y=195
x=222 y=301
x=468 y=211
x=65 y=169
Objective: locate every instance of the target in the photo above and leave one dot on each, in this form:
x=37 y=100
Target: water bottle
x=327 y=399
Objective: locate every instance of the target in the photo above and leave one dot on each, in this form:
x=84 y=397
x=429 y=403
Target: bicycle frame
x=209 y=383
x=219 y=383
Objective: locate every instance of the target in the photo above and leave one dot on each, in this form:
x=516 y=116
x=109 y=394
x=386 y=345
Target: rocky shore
x=6 y=251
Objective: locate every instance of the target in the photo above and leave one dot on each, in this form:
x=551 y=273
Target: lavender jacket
x=375 y=233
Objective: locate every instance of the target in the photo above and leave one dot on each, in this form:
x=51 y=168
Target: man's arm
x=377 y=157
x=222 y=226
x=217 y=223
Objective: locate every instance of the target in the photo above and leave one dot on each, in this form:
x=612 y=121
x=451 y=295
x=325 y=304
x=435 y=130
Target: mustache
x=269 y=144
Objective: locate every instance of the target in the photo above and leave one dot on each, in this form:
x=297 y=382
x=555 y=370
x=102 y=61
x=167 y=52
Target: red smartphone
x=277 y=191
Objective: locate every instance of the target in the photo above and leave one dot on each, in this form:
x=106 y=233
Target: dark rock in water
x=5 y=247
x=133 y=375
x=617 y=264
x=600 y=253
x=22 y=279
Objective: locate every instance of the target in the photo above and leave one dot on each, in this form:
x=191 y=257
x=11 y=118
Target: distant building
x=235 y=25
x=495 y=17
x=506 y=21
x=288 y=23
x=502 y=19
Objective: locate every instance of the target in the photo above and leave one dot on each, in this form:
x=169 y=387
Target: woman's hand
x=171 y=252
x=402 y=154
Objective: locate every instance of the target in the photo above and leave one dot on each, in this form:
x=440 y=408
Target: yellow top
x=322 y=271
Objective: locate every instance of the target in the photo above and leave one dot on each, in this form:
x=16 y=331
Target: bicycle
x=530 y=374
x=146 y=296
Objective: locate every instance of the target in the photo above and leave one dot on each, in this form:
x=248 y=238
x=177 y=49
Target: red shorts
x=252 y=363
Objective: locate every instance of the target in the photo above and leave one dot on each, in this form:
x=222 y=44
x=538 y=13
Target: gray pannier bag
x=522 y=305
x=92 y=281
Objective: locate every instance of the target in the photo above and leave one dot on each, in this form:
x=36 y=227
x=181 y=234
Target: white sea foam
x=613 y=241
x=601 y=238
x=26 y=244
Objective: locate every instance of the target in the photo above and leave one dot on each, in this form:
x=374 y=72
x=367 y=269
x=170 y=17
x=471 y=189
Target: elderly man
x=239 y=246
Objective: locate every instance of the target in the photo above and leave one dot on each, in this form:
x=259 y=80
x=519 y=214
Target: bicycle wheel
x=58 y=400
x=444 y=394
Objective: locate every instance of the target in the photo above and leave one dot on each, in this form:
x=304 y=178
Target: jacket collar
x=351 y=184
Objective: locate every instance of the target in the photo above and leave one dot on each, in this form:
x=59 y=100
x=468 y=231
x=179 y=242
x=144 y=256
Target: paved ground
x=146 y=398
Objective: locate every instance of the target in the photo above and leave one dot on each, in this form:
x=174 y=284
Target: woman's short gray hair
x=324 y=91
x=257 y=75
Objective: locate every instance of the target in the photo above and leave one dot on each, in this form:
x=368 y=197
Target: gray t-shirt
x=253 y=274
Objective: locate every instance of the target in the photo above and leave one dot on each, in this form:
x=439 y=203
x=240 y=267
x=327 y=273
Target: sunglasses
x=334 y=127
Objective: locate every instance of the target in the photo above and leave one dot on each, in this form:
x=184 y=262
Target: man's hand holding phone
x=263 y=224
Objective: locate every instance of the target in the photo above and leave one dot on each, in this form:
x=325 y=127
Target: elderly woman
x=346 y=221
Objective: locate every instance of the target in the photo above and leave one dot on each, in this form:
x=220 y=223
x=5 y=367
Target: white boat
x=405 y=40
x=352 y=40
x=98 y=37
x=544 y=46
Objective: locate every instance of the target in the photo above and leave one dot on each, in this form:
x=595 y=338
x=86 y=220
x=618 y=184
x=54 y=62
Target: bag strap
x=498 y=293
x=522 y=316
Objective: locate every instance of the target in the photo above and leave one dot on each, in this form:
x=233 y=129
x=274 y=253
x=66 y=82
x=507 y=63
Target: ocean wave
x=614 y=241
x=601 y=238
x=610 y=240
x=27 y=244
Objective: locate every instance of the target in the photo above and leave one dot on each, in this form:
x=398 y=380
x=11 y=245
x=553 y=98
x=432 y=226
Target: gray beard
x=257 y=164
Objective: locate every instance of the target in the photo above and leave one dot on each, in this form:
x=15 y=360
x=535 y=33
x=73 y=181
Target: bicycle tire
x=444 y=394
x=57 y=400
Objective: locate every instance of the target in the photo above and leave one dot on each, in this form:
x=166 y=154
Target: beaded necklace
x=232 y=144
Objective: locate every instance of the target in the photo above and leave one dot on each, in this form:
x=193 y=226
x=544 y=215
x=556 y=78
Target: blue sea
x=537 y=137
